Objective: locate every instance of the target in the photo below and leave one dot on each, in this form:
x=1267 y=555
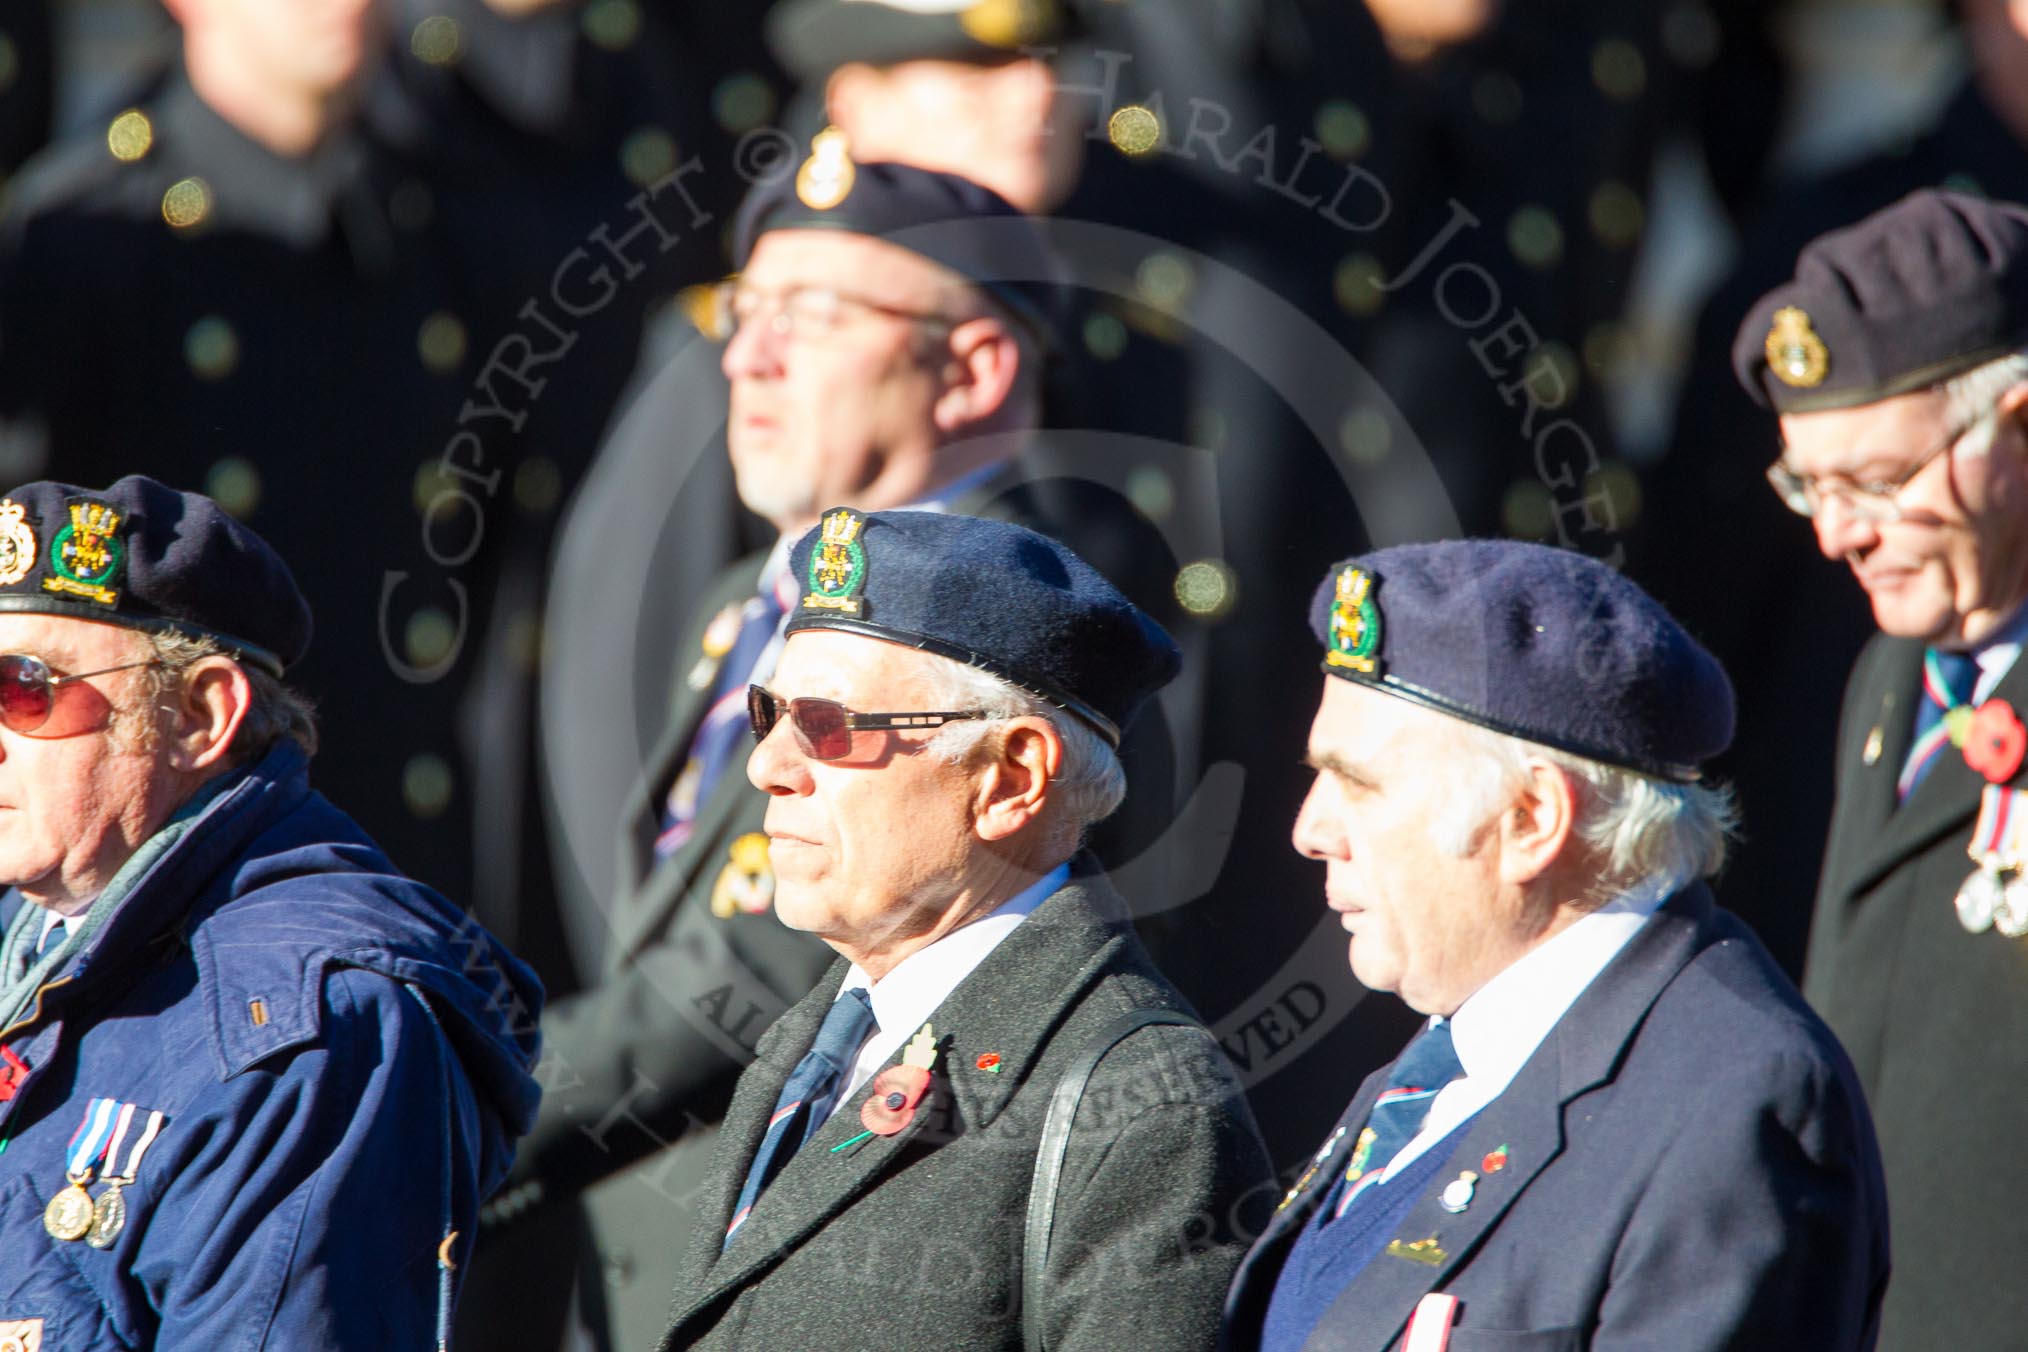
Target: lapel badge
x=1424 y=1251
x=1794 y=352
x=747 y=882
x=1316 y=1163
x=17 y=543
x=897 y=1090
x=85 y=556
x=838 y=565
x=826 y=177
x=1495 y=1160
x=1457 y=1194
x=13 y=1074
x=1875 y=740
x=989 y=1062
x=719 y=636
x=1361 y=1150
x=1994 y=740
x=1355 y=624
x=20 y=1335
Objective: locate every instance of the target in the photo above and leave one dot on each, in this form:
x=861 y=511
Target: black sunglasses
x=28 y=688
x=824 y=727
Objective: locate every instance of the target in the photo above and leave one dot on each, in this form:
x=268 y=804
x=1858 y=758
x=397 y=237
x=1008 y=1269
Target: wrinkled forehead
x=1364 y=723
x=853 y=669
x=859 y=264
x=65 y=642
x=1879 y=435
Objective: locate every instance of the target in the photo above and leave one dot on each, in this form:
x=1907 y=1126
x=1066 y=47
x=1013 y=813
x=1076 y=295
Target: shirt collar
x=905 y=998
x=1499 y=1028
x=1997 y=655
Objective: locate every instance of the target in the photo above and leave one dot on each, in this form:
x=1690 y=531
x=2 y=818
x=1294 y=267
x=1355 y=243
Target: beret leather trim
x=26 y=604
x=959 y=653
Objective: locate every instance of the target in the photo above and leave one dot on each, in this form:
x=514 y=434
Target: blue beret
x=1914 y=294
x=812 y=38
x=990 y=594
x=1538 y=643
x=949 y=220
x=142 y=555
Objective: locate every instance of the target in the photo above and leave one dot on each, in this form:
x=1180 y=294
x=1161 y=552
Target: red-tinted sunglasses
x=28 y=689
x=824 y=727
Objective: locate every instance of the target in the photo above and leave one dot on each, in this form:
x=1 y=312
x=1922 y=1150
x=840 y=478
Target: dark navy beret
x=1542 y=644
x=949 y=220
x=990 y=594
x=1914 y=294
x=143 y=555
x=812 y=38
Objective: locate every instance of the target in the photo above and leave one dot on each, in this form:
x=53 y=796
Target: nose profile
x=1314 y=836
x=1841 y=531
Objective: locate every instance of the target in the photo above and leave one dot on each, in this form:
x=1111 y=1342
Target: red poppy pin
x=988 y=1061
x=898 y=1089
x=1995 y=741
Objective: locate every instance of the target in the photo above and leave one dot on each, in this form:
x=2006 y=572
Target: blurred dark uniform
x=27 y=82
x=1783 y=619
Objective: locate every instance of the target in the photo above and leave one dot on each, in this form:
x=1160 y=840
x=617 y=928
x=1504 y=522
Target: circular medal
x=2010 y=917
x=1979 y=900
x=69 y=1214
x=1457 y=1194
x=109 y=1217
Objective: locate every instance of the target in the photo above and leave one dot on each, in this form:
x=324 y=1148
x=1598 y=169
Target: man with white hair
x=889 y=1164
x=1897 y=360
x=1621 y=1126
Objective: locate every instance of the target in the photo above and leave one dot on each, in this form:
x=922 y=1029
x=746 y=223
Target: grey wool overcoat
x=914 y=1239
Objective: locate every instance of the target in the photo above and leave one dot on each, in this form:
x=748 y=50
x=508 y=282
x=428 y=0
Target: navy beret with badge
x=812 y=38
x=143 y=555
x=1912 y=295
x=990 y=594
x=947 y=219
x=1542 y=644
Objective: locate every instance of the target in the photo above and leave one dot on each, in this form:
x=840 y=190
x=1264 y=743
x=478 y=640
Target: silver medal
x=2010 y=917
x=1979 y=901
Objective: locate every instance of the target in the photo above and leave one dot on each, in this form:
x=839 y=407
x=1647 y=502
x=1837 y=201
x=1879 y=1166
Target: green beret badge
x=1795 y=353
x=1355 y=624
x=85 y=556
x=838 y=565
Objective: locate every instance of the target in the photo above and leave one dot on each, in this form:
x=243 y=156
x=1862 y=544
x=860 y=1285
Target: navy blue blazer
x=1689 y=1165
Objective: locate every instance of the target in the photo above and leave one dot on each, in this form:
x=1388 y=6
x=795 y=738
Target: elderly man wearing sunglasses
x=1897 y=360
x=253 y=1082
x=879 y=1167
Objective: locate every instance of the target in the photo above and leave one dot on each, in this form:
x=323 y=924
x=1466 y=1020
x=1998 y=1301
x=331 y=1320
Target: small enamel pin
x=1457 y=1194
x=1421 y=1251
x=988 y=1062
x=897 y=1091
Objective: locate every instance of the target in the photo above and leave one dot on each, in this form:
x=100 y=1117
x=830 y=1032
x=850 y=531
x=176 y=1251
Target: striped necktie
x=1430 y=1063
x=806 y=1098
x=1948 y=680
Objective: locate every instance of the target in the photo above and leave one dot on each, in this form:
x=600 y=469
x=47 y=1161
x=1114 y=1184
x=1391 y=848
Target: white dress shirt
x=1501 y=1025
x=904 y=999
x=1997 y=655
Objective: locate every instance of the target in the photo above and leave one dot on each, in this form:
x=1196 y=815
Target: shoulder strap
x=1055 y=1145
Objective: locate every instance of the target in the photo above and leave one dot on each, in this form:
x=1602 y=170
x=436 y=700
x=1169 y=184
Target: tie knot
x=1430 y=1062
x=1949 y=678
x=846 y=1026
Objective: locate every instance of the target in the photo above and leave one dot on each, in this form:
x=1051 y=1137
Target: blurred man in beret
x=253 y=1082
x=936 y=740
x=1897 y=362
x=1620 y=1126
x=883 y=344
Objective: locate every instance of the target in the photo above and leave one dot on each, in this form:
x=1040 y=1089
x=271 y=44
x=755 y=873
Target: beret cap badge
x=1355 y=624
x=85 y=556
x=838 y=564
x=17 y=543
x=1006 y=23
x=1795 y=353
x=826 y=177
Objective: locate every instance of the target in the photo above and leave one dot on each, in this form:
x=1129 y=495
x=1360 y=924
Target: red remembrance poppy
x=1996 y=741
x=988 y=1061
x=891 y=1106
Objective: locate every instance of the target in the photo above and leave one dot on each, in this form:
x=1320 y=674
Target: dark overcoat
x=914 y=1239
x=1688 y=1164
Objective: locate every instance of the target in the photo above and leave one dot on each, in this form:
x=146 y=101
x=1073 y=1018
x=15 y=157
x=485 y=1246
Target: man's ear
x=983 y=368
x=215 y=696
x=1024 y=759
x=1538 y=823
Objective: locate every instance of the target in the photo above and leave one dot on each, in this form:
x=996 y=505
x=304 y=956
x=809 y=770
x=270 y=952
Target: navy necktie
x=1429 y=1063
x=1948 y=680
x=806 y=1099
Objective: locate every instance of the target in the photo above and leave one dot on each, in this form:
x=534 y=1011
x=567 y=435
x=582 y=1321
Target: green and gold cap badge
x=87 y=554
x=1795 y=353
x=837 y=572
x=1354 y=632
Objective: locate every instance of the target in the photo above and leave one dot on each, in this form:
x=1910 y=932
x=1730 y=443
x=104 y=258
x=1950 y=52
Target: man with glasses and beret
x=1620 y=1125
x=884 y=341
x=253 y=1082
x=1897 y=362
x=940 y=733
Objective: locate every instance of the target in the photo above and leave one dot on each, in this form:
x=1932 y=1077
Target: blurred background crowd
x=422 y=289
